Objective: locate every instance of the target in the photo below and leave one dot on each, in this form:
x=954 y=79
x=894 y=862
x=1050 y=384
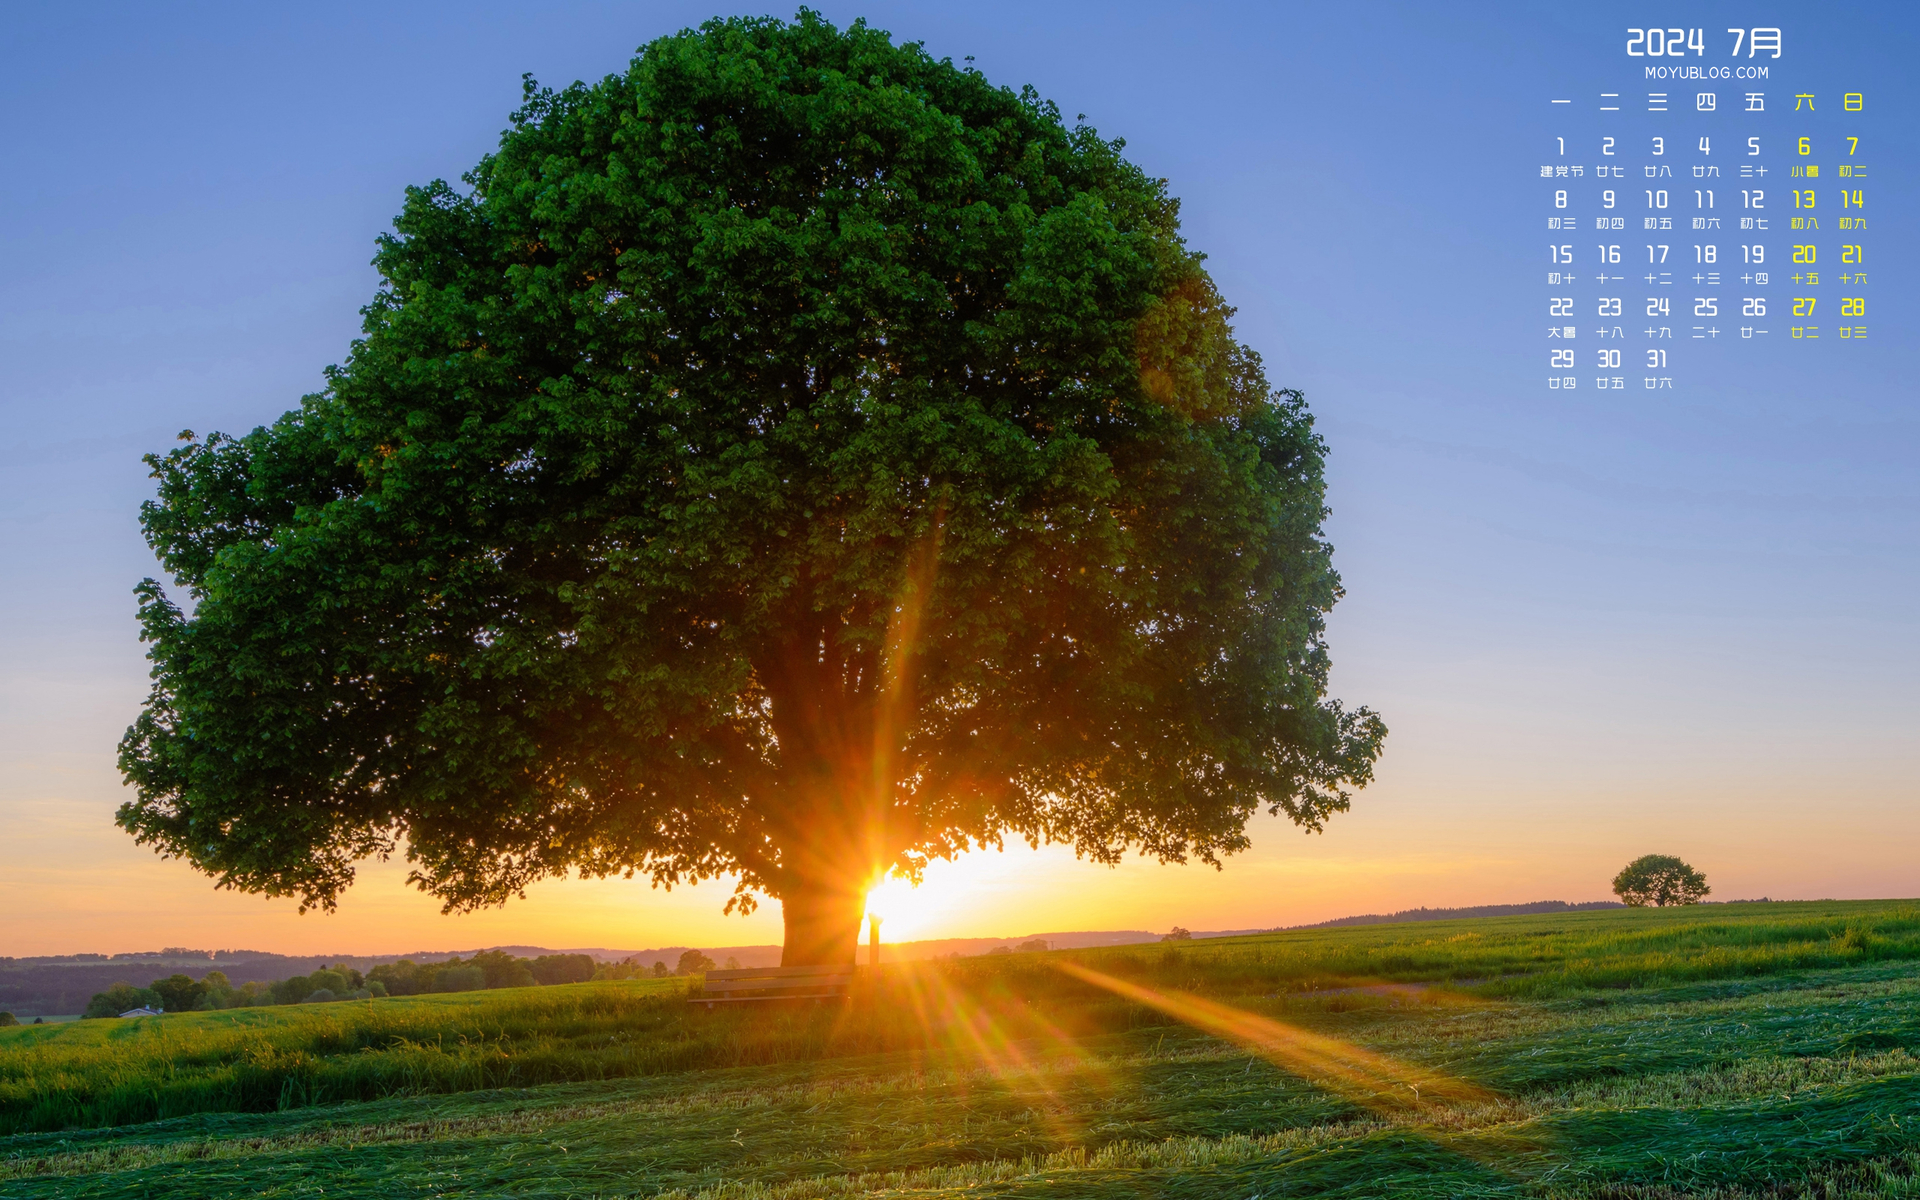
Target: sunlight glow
x=1368 y=1078
x=908 y=913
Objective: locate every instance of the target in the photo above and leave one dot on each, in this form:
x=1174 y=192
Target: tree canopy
x=792 y=459
x=1659 y=880
x=179 y=993
x=121 y=997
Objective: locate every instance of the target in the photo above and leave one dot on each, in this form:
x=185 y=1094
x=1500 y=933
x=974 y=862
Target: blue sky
x=1599 y=624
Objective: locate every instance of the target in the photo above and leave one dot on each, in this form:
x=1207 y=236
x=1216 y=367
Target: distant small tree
x=320 y=996
x=460 y=979
x=332 y=980
x=247 y=995
x=693 y=963
x=178 y=993
x=216 y=992
x=401 y=978
x=563 y=968
x=733 y=964
x=1659 y=880
x=119 y=998
x=1032 y=945
x=660 y=970
x=7 y=1018
x=1178 y=935
x=1001 y=950
x=503 y=970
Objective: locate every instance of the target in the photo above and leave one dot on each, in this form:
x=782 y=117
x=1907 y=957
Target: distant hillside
x=767 y=956
x=1479 y=910
x=62 y=984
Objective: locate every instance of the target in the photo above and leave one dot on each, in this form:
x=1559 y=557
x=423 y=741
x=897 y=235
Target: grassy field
x=1725 y=1051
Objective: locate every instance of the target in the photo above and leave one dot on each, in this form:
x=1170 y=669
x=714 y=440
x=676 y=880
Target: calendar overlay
x=1710 y=204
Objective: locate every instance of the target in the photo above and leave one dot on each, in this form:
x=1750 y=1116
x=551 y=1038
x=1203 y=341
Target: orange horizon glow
x=72 y=882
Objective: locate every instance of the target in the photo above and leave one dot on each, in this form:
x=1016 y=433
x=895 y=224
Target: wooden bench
x=774 y=983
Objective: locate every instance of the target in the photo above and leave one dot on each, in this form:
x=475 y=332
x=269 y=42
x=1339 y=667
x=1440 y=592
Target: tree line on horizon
x=486 y=970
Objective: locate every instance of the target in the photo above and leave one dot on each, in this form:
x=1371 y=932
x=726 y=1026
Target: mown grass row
x=105 y=1073
x=1149 y=1113
x=1090 y=1083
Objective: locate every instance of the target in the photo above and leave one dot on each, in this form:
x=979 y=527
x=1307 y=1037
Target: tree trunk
x=823 y=923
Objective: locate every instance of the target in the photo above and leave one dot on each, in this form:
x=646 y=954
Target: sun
x=987 y=893
x=907 y=912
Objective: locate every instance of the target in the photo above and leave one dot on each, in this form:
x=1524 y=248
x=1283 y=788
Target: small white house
x=142 y=1012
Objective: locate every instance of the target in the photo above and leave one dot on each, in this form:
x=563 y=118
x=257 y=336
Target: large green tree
x=792 y=459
